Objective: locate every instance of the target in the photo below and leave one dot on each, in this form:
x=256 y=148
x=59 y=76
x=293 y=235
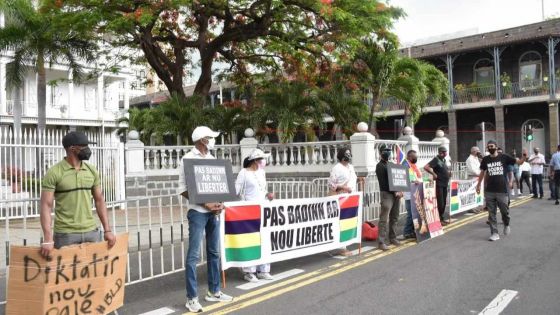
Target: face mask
x=347 y=156
x=211 y=143
x=492 y=150
x=84 y=154
x=386 y=155
x=261 y=163
x=536 y=151
x=414 y=160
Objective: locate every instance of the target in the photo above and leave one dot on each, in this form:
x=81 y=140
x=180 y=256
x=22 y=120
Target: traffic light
x=529 y=133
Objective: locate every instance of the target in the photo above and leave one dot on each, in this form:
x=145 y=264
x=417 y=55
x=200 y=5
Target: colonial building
x=508 y=79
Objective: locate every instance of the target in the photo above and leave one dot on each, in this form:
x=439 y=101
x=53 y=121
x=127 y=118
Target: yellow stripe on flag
x=455 y=199
x=243 y=240
x=348 y=224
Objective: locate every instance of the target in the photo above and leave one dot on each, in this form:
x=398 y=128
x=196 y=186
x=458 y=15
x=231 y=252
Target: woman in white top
x=251 y=186
x=343 y=180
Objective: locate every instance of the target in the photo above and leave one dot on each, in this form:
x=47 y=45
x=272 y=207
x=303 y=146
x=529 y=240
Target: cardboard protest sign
x=209 y=180
x=256 y=233
x=398 y=177
x=419 y=213
x=79 y=279
x=431 y=209
x=464 y=197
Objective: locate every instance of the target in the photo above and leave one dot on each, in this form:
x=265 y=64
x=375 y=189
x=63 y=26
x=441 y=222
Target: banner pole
x=223 y=279
x=359 y=248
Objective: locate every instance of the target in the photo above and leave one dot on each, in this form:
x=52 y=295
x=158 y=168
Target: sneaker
x=382 y=246
x=535 y=197
x=218 y=297
x=409 y=236
x=494 y=237
x=557 y=203
x=250 y=277
x=395 y=242
x=264 y=276
x=507 y=230
x=193 y=306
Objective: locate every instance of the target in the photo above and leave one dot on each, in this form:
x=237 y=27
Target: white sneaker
x=264 y=276
x=193 y=305
x=494 y=237
x=218 y=297
x=507 y=230
x=250 y=277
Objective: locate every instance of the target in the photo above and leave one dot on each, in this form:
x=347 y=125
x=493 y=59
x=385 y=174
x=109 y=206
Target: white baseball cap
x=203 y=132
x=258 y=154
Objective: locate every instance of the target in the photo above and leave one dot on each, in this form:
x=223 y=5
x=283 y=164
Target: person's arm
x=182 y=183
x=101 y=209
x=47 y=199
x=480 y=178
x=429 y=168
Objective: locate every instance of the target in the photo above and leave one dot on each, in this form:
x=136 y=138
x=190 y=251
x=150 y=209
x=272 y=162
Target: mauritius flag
x=349 y=217
x=454 y=198
x=242 y=233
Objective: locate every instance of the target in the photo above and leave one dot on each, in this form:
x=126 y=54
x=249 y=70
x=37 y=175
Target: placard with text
x=209 y=180
x=398 y=177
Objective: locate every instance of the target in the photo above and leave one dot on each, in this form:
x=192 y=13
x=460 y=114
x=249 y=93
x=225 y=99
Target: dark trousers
x=557 y=184
x=494 y=201
x=441 y=195
x=525 y=178
x=537 y=180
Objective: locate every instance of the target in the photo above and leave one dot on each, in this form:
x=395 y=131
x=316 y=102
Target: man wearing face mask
x=415 y=177
x=537 y=161
x=441 y=174
x=73 y=183
x=201 y=218
x=496 y=193
x=390 y=202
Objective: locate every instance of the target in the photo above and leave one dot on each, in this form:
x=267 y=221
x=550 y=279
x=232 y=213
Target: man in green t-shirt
x=72 y=183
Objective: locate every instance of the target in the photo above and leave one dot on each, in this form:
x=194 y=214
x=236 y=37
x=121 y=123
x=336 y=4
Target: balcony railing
x=474 y=94
x=525 y=89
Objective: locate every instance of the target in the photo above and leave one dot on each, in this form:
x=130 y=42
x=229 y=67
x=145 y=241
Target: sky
x=429 y=18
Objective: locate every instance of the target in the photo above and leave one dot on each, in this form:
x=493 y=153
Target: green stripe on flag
x=454 y=206
x=348 y=234
x=243 y=254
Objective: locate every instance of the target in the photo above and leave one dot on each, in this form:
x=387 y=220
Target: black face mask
x=414 y=160
x=385 y=155
x=84 y=154
x=492 y=151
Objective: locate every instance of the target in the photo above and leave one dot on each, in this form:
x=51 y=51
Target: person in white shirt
x=525 y=177
x=202 y=217
x=537 y=161
x=251 y=186
x=473 y=163
x=343 y=180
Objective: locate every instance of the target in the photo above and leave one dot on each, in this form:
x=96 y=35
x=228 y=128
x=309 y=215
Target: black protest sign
x=209 y=180
x=398 y=177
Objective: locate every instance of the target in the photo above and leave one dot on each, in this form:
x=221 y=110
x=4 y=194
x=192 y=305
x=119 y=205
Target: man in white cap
x=202 y=217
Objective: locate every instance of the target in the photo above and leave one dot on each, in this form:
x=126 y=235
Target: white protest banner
x=257 y=233
x=79 y=279
x=463 y=196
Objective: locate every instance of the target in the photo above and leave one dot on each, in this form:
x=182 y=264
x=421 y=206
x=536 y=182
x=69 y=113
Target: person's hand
x=399 y=194
x=434 y=177
x=215 y=207
x=270 y=196
x=46 y=249
x=478 y=189
x=110 y=238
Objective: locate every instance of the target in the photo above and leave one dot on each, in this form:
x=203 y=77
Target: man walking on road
x=390 y=202
x=537 y=161
x=202 y=217
x=555 y=173
x=496 y=194
x=438 y=168
x=72 y=183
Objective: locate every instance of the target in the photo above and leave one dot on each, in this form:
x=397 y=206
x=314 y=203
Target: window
x=484 y=72
x=530 y=73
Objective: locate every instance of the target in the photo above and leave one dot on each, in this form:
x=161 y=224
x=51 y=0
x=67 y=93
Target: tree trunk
x=408 y=118
x=204 y=82
x=372 y=123
x=41 y=93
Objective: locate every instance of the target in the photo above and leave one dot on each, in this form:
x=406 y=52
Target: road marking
x=499 y=303
x=355 y=252
x=160 y=311
x=277 y=277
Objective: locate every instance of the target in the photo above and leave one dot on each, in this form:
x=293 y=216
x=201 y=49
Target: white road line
x=279 y=276
x=499 y=303
x=355 y=252
x=160 y=311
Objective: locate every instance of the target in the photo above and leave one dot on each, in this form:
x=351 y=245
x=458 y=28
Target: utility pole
x=542 y=9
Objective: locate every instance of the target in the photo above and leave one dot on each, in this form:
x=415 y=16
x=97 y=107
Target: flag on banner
x=454 y=198
x=242 y=233
x=399 y=155
x=349 y=217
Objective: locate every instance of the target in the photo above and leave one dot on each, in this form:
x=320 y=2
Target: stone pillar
x=553 y=126
x=443 y=141
x=500 y=127
x=453 y=140
x=412 y=140
x=248 y=144
x=135 y=179
x=126 y=101
x=364 y=157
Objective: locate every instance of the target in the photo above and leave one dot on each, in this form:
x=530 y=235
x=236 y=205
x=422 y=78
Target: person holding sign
x=437 y=167
x=72 y=183
x=251 y=186
x=202 y=217
x=390 y=202
x=415 y=177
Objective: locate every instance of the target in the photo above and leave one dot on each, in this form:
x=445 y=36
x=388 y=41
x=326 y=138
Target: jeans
x=409 y=225
x=389 y=212
x=198 y=223
x=557 y=184
x=441 y=195
x=66 y=239
x=552 y=187
x=525 y=177
x=494 y=201
x=537 y=180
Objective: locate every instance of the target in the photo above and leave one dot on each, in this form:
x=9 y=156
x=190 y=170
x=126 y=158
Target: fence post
x=364 y=157
x=134 y=159
x=443 y=142
x=411 y=139
x=248 y=144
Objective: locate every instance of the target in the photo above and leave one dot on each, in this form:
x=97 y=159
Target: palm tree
x=344 y=106
x=228 y=120
x=136 y=120
x=37 y=39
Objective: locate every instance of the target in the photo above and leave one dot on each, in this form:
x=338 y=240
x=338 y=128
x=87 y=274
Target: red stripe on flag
x=454 y=185
x=239 y=213
x=349 y=202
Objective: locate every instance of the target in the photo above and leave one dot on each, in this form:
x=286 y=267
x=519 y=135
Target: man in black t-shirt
x=438 y=168
x=493 y=168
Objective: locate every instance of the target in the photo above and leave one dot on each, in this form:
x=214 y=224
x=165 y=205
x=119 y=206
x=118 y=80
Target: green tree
x=263 y=35
x=229 y=119
x=37 y=39
x=345 y=106
x=135 y=120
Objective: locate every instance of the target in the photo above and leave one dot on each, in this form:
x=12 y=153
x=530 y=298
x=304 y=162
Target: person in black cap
x=438 y=168
x=73 y=182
